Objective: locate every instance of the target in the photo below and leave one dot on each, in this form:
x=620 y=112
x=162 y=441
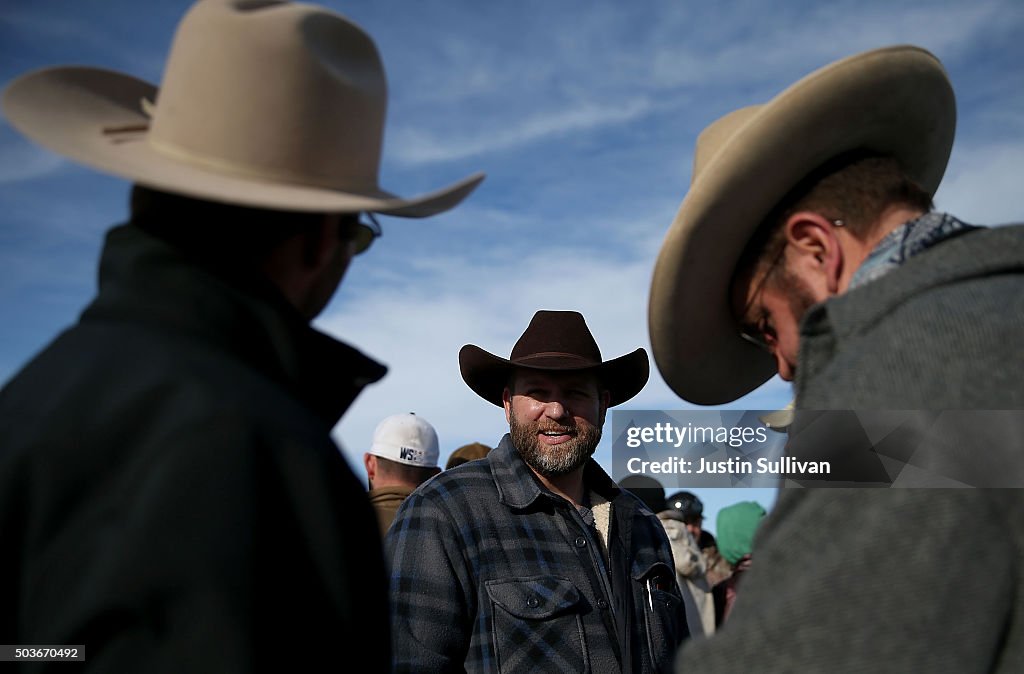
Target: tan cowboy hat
x=268 y=104
x=554 y=341
x=896 y=101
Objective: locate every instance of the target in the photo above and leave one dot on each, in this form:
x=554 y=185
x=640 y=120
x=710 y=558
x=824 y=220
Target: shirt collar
x=238 y=312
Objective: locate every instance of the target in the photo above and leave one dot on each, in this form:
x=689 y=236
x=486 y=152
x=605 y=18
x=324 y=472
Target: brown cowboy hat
x=893 y=101
x=554 y=341
x=272 y=104
x=467 y=453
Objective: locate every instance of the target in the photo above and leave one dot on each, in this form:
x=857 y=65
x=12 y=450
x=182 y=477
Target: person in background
x=467 y=453
x=403 y=455
x=691 y=575
x=647 y=488
x=532 y=557
x=736 y=526
x=170 y=495
x=688 y=509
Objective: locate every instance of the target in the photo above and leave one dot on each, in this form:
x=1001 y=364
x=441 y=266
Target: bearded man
x=533 y=557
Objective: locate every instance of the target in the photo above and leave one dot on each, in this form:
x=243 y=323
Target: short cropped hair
x=411 y=475
x=856 y=188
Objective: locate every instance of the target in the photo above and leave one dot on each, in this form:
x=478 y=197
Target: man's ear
x=370 y=463
x=812 y=238
x=506 y=401
x=606 y=398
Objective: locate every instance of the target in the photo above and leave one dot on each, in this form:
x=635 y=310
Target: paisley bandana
x=906 y=241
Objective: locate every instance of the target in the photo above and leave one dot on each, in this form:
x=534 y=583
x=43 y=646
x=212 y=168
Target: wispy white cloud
x=77 y=37
x=749 y=46
x=23 y=161
x=413 y=147
x=983 y=184
x=30 y=20
x=736 y=52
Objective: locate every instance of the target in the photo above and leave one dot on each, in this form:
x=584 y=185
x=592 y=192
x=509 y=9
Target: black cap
x=686 y=503
x=650 y=491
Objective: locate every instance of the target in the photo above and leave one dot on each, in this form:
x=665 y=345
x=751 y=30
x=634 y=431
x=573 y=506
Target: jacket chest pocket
x=658 y=599
x=536 y=625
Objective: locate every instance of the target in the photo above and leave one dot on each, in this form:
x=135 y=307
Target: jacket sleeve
x=432 y=596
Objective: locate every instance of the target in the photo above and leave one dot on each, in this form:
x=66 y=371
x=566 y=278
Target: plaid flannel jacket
x=491 y=572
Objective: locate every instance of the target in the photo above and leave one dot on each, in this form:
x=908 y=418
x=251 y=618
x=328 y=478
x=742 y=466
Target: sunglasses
x=360 y=228
x=364 y=231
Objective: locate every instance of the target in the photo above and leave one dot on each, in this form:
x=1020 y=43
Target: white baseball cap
x=406 y=438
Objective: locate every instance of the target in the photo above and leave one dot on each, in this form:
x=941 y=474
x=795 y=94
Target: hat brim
x=72 y=110
x=779 y=420
x=487 y=374
x=896 y=101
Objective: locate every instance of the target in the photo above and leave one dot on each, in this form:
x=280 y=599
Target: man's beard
x=799 y=297
x=554 y=460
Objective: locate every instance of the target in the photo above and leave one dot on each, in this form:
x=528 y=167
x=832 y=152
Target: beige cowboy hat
x=896 y=101
x=267 y=104
x=554 y=341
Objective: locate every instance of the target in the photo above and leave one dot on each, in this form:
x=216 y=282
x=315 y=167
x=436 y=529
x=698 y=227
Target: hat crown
x=406 y=438
x=686 y=503
x=273 y=90
x=561 y=334
x=554 y=341
x=716 y=135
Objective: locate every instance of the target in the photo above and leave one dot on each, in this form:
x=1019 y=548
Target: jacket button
x=602 y=604
x=581 y=542
x=533 y=602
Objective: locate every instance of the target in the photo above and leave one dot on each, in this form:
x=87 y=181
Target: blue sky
x=582 y=113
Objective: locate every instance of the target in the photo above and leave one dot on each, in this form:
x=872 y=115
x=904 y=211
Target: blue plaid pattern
x=491 y=572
